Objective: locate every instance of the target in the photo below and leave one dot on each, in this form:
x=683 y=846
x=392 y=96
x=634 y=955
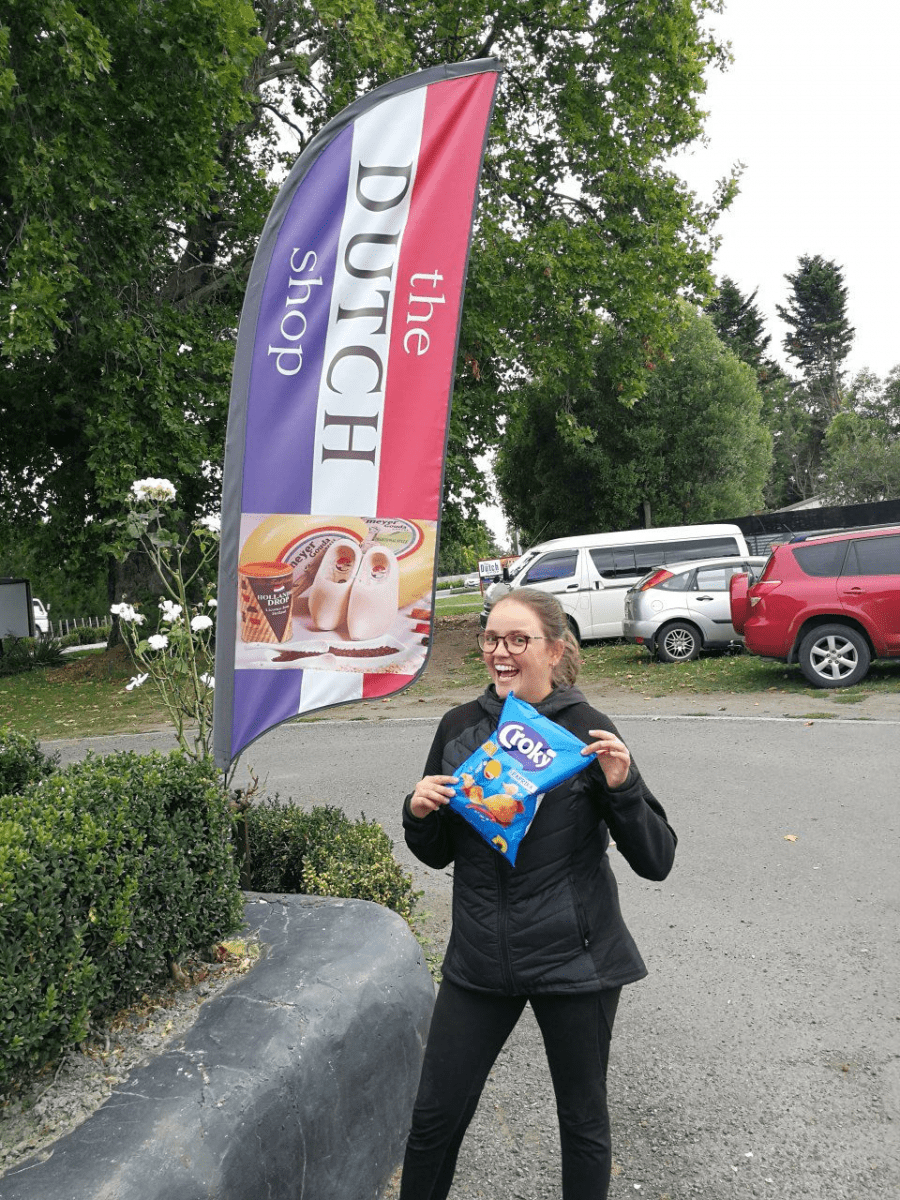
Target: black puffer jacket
x=552 y=923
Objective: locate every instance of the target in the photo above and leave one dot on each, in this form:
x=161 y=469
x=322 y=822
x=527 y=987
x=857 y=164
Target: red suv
x=832 y=604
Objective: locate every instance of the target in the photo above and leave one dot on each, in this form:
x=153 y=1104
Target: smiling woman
x=549 y=930
x=517 y=652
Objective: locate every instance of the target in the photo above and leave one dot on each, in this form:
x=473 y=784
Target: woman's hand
x=430 y=793
x=612 y=755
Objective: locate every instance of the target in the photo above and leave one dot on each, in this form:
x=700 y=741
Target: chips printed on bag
x=502 y=783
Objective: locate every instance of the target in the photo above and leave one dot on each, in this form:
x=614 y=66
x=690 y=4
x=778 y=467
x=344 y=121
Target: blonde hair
x=555 y=626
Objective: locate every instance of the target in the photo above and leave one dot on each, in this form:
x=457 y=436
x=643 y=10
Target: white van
x=590 y=575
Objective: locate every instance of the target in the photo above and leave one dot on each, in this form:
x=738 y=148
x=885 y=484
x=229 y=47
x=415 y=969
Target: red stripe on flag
x=383 y=685
x=432 y=265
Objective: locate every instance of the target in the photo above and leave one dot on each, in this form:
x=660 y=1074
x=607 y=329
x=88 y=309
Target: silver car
x=680 y=609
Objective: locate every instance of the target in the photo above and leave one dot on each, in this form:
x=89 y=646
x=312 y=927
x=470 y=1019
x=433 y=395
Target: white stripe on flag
x=321 y=689
x=347 y=453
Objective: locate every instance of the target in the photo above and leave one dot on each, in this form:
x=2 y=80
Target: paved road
x=761 y=1058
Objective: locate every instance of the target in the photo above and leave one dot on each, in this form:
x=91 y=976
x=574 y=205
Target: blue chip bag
x=502 y=783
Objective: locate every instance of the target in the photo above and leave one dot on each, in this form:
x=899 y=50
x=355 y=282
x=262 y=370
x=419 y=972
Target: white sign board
x=16 y=616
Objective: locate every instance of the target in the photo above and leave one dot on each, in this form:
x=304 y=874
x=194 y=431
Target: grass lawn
x=84 y=698
x=461 y=602
x=627 y=666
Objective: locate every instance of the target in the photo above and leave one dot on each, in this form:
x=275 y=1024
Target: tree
x=740 y=325
x=693 y=449
x=820 y=336
x=137 y=146
x=463 y=542
x=861 y=460
x=798 y=434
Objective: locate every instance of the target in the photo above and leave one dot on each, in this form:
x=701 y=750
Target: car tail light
x=763 y=589
x=656 y=579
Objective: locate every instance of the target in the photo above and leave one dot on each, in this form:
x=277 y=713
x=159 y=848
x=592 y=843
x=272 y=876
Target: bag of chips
x=502 y=783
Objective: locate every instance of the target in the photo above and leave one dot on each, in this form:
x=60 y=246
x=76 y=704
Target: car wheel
x=573 y=629
x=677 y=642
x=834 y=656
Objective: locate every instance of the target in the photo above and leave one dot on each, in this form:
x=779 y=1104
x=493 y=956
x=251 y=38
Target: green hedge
x=22 y=761
x=109 y=869
x=323 y=853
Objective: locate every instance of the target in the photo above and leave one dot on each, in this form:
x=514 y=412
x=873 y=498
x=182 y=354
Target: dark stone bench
x=296 y=1081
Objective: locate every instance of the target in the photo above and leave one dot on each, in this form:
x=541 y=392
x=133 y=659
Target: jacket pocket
x=584 y=929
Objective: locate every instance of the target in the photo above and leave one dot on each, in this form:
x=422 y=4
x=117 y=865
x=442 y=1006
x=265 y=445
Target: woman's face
x=529 y=674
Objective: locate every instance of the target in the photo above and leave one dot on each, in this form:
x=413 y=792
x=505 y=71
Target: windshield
x=516 y=568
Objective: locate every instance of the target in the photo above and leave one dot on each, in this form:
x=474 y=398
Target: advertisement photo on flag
x=340 y=404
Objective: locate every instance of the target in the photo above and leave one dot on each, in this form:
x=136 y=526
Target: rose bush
x=177 y=658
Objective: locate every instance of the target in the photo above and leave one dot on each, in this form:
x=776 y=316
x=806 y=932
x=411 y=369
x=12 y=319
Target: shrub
x=109 y=869
x=323 y=853
x=24 y=654
x=86 y=635
x=22 y=761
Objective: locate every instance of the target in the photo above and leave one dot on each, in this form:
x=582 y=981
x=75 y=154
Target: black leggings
x=468 y=1030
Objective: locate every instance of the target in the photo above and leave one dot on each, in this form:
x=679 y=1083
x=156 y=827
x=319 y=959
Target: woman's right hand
x=430 y=793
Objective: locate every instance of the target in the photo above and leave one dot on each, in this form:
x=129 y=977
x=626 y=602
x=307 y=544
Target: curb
x=296 y=1081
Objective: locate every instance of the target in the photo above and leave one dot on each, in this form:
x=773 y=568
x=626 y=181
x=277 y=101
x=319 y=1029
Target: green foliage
x=27 y=551
x=27 y=654
x=693 y=449
x=22 y=762
x=820 y=336
x=323 y=853
x=109 y=869
x=86 y=635
x=861 y=459
x=464 y=540
x=137 y=144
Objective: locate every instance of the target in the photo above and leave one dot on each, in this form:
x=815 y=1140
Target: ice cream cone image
x=374 y=597
x=329 y=595
x=264 y=601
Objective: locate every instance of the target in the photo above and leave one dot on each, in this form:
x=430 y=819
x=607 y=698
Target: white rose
x=153 y=489
x=201 y=622
x=157 y=641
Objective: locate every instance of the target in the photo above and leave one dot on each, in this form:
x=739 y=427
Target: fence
x=68 y=624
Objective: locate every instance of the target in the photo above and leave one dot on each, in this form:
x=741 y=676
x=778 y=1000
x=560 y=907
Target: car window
x=715 y=579
x=873 y=556
x=614 y=561
x=718 y=547
x=822 y=560
x=678 y=583
x=558 y=565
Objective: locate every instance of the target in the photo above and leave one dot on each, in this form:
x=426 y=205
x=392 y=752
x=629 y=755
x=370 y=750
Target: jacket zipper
x=580 y=916
x=503 y=927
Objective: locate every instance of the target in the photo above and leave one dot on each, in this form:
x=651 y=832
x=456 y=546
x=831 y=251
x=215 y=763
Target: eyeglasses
x=515 y=643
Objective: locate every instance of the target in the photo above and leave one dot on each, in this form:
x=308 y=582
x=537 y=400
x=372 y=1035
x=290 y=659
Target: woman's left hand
x=612 y=755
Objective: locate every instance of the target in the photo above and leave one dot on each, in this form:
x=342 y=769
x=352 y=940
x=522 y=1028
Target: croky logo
x=525 y=746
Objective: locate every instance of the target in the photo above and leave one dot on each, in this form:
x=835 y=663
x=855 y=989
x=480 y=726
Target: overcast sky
x=810 y=106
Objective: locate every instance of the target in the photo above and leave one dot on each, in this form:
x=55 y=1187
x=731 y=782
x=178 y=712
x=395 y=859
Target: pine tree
x=820 y=336
x=740 y=324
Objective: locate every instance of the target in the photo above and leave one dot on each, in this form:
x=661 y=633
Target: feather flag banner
x=340 y=405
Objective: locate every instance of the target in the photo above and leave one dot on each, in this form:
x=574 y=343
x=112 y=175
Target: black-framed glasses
x=515 y=643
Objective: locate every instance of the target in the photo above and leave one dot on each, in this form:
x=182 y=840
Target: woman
x=548 y=930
